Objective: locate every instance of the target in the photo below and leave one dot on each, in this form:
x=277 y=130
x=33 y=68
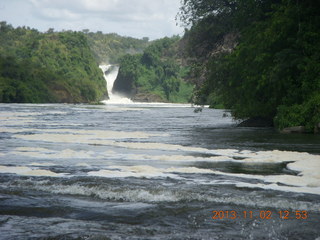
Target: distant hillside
x=108 y=48
x=47 y=67
x=59 y=67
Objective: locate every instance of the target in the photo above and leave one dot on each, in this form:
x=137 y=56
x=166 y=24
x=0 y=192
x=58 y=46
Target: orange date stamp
x=259 y=214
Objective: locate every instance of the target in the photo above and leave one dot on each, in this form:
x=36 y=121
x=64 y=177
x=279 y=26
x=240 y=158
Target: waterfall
x=110 y=73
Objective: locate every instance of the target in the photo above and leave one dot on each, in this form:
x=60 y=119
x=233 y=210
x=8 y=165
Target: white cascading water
x=110 y=77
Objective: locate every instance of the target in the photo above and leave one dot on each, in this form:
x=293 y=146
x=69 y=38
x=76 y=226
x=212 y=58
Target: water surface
x=152 y=171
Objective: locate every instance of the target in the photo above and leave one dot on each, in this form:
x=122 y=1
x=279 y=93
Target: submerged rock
x=295 y=129
x=256 y=122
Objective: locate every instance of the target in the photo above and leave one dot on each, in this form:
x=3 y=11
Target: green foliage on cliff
x=157 y=72
x=108 y=48
x=272 y=68
x=47 y=67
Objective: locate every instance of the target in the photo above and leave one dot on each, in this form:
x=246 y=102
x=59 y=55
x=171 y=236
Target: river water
x=152 y=171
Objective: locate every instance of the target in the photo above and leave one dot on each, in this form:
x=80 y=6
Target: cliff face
x=124 y=85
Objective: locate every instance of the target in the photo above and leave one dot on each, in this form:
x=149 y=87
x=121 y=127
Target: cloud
x=57 y=14
x=137 y=18
x=132 y=10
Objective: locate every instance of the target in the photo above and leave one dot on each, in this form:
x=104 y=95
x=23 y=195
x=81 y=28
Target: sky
x=135 y=18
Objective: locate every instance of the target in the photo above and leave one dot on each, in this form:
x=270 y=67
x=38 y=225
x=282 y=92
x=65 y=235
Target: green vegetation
x=63 y=66
x=47 y=67
x=155 y=75
x=108 y=48
x=258 y=58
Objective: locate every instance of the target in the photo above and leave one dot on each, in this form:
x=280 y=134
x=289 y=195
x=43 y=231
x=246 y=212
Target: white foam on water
x=19 y=122
x=121 y=174
x=282 y=188
x=157 y=146
x=117 y=100
x=163 y=105
x=22 y=118
x=10 y=130
x=83 y=165
x=26 y=171
x=22 y=114
x=180 y=158
x=143 y=105
x=129 y=195
x=307 y=165
x=109 y=152
x=64 y=138
x=15 y=118
x=188 y=170
x=114 y=134
x=85 y=136
x=32 y=149
x=276 y=156
x=44 y=164
x=301 y=183
x=47 y=153
x=119 y=108
x=5 y=114
x=139 y=171
x=133 y=206
x=68 y=153
x=146 y=171
x=161 y=194
x=54 y=113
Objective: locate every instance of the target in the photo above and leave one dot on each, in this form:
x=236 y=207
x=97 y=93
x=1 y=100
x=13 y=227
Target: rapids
x=152 y=171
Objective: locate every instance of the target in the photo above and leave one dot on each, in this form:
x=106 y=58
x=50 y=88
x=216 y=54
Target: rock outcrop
x=256 y=122
x=295 y=129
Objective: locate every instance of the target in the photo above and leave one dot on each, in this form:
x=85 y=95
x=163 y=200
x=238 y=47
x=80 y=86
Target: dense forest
x=47 y=67
x=157 y=74
x=54 y=66
x=261 y=59
x=62 y=66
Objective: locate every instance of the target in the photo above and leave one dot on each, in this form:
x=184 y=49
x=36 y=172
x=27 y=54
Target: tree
x=274 y=69
x=47 y=67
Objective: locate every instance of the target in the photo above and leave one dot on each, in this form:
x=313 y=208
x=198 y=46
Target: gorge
x=110 y=73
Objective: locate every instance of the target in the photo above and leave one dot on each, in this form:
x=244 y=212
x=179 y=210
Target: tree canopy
x=157 y=71
x=271 y=69
x=47 y=67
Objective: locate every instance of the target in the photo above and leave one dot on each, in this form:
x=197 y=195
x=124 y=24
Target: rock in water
x=256 y=122
x=296 y=129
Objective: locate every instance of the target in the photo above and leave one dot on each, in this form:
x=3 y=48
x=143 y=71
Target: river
x=152 y=171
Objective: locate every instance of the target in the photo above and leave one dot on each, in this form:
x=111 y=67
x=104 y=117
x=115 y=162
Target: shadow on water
x=247 y=168
x=255 y=139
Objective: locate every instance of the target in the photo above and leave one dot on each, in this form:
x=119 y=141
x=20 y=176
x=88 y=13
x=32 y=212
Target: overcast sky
x=135 y=18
